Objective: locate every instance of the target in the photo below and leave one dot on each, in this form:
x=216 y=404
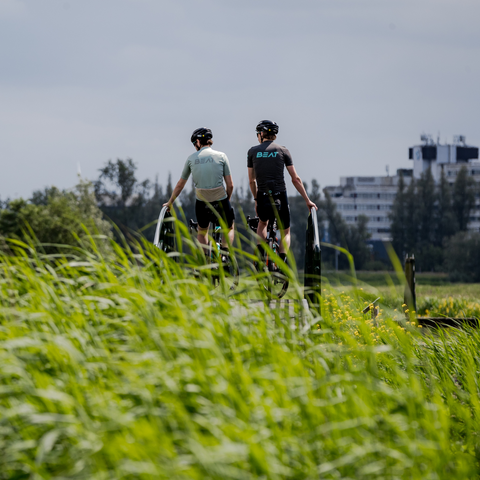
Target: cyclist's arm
x=229 y=184
x=176 y=192
x=298 y=184
x=252 y=182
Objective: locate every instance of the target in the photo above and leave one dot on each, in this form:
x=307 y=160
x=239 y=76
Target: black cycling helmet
x=201 y=133
x=267 y=126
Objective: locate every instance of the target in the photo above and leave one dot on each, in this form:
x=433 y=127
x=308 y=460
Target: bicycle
x=223 y=266
x=275 y=283
x=164 y=237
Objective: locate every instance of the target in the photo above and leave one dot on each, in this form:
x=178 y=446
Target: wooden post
x=410 y=298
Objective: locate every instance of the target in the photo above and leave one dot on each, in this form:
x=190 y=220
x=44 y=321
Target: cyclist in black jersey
x=266 y=163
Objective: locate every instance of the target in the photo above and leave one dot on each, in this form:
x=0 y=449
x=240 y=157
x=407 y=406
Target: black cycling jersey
x=268 y=161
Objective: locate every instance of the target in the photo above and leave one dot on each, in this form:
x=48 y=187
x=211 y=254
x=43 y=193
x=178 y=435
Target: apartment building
x=369 y=196
x=374 y=196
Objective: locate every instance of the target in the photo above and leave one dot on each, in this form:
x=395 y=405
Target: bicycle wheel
x=277 y=282
x=165 y=232
x=269 y=276
x=225 y=271
x=231 y=271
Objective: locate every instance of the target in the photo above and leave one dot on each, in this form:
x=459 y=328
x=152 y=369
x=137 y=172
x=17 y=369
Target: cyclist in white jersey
x=209 y=169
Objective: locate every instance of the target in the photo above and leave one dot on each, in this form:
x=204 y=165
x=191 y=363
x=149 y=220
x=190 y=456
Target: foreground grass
x=127 y=368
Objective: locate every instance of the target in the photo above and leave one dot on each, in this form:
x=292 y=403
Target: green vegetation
x=430 y=220
x=133 y=206
x=466 y=291
x=449 y=307
x=121 y=365
x=436 y=297
x=53 y=217
x=463 y=259
x=384 y=278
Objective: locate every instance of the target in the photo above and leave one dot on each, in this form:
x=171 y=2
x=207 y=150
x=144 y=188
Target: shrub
x=53 y=217
x=462 y=257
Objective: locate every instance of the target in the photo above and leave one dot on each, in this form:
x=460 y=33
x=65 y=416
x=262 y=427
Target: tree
x=315 y=195
x=398 y=217
x=130 y=204
x=169 y=185
x=429 y=255
x=463 y=198
x=351 y=237
x=462 y=259
x=446 y=223
x=299 y=216
x=356 y=241
x=411 y=219
x=116 y=182
x=425 y=208
x=54 y=217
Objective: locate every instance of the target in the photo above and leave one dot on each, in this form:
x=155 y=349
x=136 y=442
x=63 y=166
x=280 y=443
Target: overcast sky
x=352 y=83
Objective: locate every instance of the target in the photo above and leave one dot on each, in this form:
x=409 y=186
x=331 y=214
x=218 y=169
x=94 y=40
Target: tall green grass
x=121 y=365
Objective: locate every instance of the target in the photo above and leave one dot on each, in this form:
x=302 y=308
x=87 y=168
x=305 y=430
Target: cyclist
x=266 y=178
x=209 y=169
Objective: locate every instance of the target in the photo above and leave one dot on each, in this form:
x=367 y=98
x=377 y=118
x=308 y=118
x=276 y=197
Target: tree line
x=431 y=221
x=428 y=219
x=132 y=205
x=118 y=198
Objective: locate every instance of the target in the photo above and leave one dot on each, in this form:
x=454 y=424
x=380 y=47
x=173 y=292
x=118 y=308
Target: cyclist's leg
x=284 y=215
x=285 y=243
x=201 y=212
x=264 y=212
x=230 y=236
x=202 y=236
x=262 y=229
x=228 y=216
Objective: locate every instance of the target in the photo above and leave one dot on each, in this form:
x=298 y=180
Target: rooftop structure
x=439 y=157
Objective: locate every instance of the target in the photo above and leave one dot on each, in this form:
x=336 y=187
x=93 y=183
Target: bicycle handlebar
x=316 y=233
x=161 y=217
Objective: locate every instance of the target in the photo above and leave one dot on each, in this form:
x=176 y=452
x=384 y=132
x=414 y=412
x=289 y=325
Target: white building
x=374 y=196
x=449 y=158
x=370 y=196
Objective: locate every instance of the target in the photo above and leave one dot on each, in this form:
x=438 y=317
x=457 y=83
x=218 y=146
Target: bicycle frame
x=216 y=236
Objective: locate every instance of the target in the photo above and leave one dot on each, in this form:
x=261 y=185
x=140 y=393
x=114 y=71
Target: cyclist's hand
x=311 y=205
x=168 y=205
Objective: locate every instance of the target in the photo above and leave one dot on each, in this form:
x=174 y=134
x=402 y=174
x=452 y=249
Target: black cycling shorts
x=266 y=211
x=205 y=215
